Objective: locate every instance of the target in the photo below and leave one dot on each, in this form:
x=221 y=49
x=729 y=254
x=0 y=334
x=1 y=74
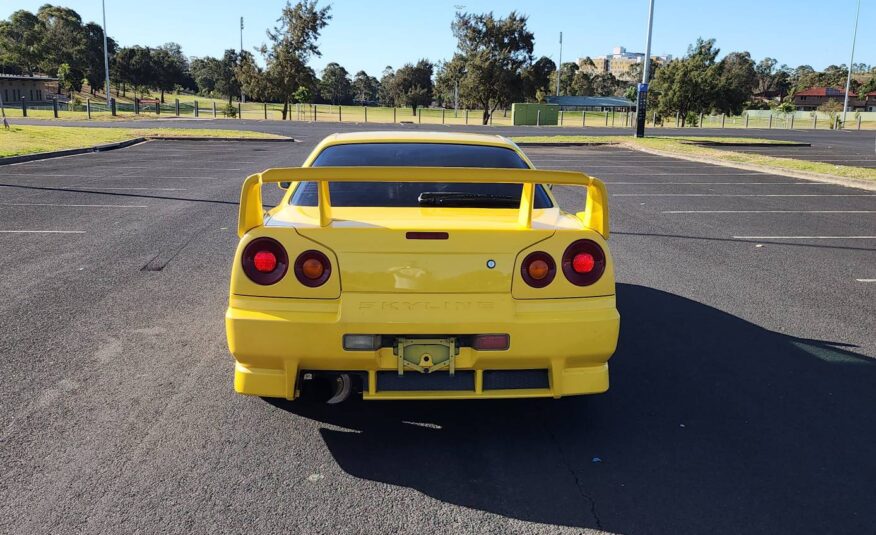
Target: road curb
x=561 y=144
x=736 y=144
x=126 y=143
x=70 y=152
x=869 y=185
x=208 y=138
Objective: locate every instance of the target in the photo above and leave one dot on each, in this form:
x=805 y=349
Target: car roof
x=418 y=137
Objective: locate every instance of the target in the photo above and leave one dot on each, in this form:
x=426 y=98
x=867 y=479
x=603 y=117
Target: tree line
x=492 y=67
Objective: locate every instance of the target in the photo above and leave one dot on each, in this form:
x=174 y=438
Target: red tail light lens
x=583 y=262
x=265 y=261
x=312 y=268
x=538 y=269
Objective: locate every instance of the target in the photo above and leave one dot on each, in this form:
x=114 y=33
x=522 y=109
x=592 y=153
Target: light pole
x=105 y=54
x=851 y=62
x=560 y=64
x=642 y=100
x=242 y=97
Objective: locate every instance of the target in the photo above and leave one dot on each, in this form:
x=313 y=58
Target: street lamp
x=851 y=62
x=642 y=97
x=560 y=64
x=105 y=55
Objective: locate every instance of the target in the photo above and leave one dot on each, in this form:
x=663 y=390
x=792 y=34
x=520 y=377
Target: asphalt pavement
x=741 y=397
x=845 y=147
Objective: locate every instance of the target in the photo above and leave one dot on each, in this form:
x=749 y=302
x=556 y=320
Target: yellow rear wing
x=252 y=213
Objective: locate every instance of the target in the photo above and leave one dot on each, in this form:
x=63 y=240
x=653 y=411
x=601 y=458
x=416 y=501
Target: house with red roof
x=812 y=98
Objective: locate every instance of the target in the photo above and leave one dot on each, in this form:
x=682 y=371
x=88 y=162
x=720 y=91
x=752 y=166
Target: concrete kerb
x=127 y=143
x=861 y=183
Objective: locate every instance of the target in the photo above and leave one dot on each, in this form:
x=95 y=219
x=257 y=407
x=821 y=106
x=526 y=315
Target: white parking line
x=719 y=184
x=769 y=212
x=743 y=195
x=74 y=205
x=137 y=189
x=866 y=280
x=42 y=231
x=804 y=237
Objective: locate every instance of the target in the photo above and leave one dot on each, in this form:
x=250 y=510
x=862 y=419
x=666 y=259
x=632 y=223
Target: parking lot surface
x=741 y=397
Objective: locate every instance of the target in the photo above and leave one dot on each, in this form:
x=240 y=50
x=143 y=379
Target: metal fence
x=213 y=109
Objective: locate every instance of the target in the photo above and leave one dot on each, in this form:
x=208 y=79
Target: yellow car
x=421 y=266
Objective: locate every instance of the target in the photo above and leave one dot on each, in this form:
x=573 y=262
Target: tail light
x=312 y=268
x=583 y=262
x=265 y=261
x=538 y=269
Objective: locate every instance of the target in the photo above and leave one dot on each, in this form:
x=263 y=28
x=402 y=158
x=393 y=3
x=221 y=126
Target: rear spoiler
x=252 y=213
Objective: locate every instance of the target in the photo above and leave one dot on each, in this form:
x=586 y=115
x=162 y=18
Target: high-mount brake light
x=312 y=268
x=538 y=269
x=265 y=261
x=583 y=262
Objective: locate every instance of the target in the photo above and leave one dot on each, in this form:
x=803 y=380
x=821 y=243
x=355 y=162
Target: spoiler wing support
x=594 y=216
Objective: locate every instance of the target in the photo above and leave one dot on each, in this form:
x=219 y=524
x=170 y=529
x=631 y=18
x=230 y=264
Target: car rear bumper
x=566 y=341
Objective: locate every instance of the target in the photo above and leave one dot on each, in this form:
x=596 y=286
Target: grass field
x=214 y=108
x=686 y=146
x=26 y=139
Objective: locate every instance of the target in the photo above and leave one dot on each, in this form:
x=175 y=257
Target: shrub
x=230 y=111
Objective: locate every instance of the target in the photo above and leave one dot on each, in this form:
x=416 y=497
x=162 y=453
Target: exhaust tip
x=343 y=386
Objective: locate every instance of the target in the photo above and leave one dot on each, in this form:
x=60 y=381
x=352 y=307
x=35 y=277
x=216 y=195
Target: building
x=576 y=103
x=33 y=89
x=618 y=63
x=812 y=98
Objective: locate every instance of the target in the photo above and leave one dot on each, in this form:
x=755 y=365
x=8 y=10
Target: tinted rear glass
x=406 y=194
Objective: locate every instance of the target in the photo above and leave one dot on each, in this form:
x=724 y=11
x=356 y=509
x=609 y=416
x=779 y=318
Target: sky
x=369 y=35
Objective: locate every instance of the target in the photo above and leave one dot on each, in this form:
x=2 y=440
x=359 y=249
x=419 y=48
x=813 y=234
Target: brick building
x=33 y=88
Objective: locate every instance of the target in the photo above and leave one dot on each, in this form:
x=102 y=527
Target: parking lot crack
x=591 y=502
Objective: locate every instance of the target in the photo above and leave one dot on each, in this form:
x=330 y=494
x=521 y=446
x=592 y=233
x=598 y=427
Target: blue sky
x=370 y=35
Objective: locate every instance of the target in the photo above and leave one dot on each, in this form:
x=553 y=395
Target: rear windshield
x=410 y=194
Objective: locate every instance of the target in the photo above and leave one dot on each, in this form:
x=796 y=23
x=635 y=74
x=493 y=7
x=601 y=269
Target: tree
x=93 y=59
x=21 y=42
x=293 y=43
x=537 y=77
x=335 y=86
x=302 y=95
x=447 y=77
x=206 y=73
x=365 y=88
x=832 y=109
x=413 y=85
x=386 y=92
x=567 y=74
x=736 y=82
x=495 y=52
x=251 y=77
x=688 y=84
x=605 y=84
x=227 y=83
x=63 y=41
x=65 y=82
x=134 y=66
x=170 y=67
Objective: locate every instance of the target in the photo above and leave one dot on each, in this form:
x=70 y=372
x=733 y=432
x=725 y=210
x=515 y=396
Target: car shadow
x=712 y=424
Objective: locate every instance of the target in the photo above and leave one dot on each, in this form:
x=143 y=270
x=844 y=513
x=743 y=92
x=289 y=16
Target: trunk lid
x=422 y=250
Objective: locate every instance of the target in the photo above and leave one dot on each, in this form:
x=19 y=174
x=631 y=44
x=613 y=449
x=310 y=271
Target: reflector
x=491 y=342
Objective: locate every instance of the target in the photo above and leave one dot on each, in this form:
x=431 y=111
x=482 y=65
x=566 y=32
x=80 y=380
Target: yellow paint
x=383 y=283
